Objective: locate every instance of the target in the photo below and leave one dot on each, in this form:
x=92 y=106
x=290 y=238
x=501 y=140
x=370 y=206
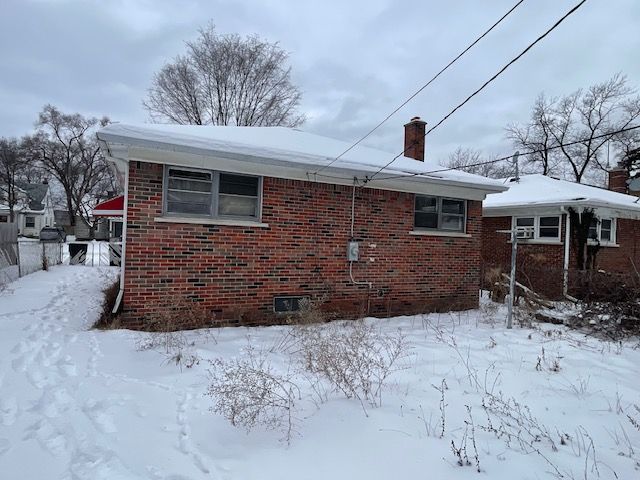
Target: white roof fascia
x=122 y=150
x=603 y=209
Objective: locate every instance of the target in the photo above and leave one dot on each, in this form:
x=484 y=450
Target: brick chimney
x=618 y=180
x=414 y=139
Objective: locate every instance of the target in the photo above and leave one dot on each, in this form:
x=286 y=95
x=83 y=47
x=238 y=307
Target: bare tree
x=67 y=149
x=12 y=162
x=472 y=161
x=536 y=136
x=574 y=125
x=226 y=80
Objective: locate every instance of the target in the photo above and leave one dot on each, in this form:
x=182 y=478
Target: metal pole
x=18 y=258
x=517 y=167
x=512 y=279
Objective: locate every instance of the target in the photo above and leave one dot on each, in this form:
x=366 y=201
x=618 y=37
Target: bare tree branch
x=582 y=115
x=65 y=146
x=226 y=80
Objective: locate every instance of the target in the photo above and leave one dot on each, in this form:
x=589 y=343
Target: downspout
x=125 y=212
x=567 y=252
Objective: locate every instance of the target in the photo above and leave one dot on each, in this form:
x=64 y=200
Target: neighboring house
x=81 y=230
x=34 y=209
x=246 y=222
x=539 y=207
x=108 y=217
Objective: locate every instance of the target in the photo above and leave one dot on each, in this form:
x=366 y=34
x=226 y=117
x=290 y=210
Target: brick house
x=246 y=222
x=539 y=207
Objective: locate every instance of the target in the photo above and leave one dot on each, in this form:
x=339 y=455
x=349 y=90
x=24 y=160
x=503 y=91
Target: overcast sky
x=355 y=61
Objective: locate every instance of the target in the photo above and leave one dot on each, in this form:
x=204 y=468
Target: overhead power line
x=485 y=84
x=417 y=92
x=508 y=157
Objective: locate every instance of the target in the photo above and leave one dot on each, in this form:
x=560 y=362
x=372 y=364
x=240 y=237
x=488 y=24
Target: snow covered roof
x=279 y=151
x=533 y=191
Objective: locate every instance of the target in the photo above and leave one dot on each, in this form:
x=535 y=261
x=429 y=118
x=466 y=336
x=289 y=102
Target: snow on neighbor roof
x=541 y=190
x=287 y=146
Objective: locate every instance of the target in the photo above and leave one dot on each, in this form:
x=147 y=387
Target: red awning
x=114 y=207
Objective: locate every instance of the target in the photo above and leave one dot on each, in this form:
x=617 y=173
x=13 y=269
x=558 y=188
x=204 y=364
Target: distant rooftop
x=540 y=190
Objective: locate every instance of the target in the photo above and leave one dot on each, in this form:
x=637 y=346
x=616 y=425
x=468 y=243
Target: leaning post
x=512 y=277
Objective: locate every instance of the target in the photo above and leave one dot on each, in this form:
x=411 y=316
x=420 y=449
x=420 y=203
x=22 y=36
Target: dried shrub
x=356 y=359
x=513 y=423
x=164 y=334
x=108 y=319
x=249 y=393
x=634 y=419
x=609 y=303
x=493 y=279
x=177 y=312
x=311 y=312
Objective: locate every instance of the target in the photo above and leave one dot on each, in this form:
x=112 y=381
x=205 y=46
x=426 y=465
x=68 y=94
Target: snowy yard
x=83 y=404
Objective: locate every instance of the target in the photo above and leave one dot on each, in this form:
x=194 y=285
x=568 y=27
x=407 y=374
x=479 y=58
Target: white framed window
x=602 y=230
x=440 y=213
x=211 y=194
x=4 y=218
x=543 y=227
x=29 y=222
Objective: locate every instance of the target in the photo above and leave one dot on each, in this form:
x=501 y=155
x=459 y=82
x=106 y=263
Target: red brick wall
x=540 y=266
x=622 y=259
x=234 y=272
x=618 y=180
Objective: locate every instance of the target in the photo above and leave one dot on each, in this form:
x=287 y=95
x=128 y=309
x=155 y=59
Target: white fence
x=93 y=253
x=26 y=256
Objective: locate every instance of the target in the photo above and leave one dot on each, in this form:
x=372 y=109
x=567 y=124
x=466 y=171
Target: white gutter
x=621 y=210
x=286 y=164
x=116 y=306
x=567 y=248
x=119 y=162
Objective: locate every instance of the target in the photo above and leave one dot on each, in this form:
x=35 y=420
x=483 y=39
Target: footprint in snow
x=5 y=445
x=66 y=367
x=48 y=437
x=98 y=413
x=8 y=411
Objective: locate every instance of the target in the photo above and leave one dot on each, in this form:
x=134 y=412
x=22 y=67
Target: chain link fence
x=23 y=257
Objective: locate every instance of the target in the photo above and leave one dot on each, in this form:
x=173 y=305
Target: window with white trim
x=205 y=193
x=29 y=222
x=543 y=227
x=440 y=213
x=602 y=230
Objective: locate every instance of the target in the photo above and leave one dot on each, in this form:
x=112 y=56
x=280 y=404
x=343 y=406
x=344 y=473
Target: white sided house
x=33 y=211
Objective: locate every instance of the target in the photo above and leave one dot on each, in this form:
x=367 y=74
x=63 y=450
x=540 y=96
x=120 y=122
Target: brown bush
x=107 y=318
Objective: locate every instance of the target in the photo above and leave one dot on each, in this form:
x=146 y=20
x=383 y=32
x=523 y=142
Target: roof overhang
x=604 y=209
x=113 y=207
x=121 y=150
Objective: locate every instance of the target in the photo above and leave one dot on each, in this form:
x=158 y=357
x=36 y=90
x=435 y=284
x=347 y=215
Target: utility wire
x=507 y=157
x=422 y=87
x=486 y=162
x=485 y=84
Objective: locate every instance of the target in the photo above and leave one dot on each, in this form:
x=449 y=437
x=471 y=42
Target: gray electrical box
x=353 y=249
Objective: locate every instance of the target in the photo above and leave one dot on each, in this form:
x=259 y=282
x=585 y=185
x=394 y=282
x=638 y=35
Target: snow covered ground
x=83 y=404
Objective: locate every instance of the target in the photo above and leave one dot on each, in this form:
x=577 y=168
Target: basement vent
x=288 y=304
